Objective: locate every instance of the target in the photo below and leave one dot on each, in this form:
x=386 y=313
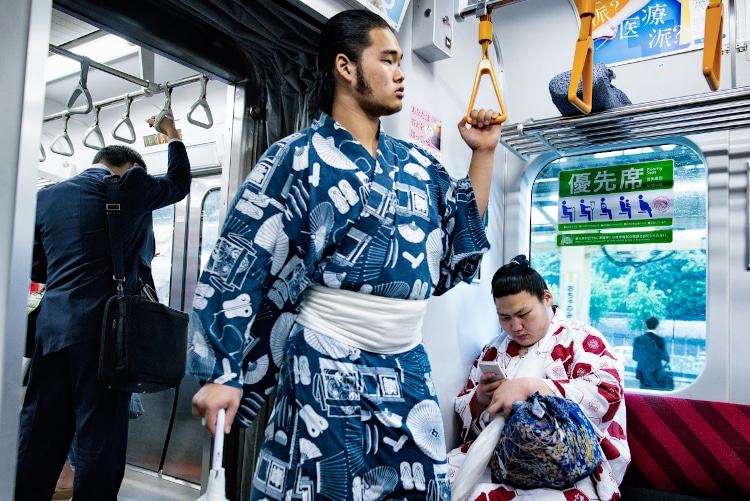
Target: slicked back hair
x=347 y=33
x=517 y=276
x=118 y=155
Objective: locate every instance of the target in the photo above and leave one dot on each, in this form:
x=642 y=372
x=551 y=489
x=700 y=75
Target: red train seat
x=691 y=447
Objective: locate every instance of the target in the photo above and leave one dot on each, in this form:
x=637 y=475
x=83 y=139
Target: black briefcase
x=143 y=345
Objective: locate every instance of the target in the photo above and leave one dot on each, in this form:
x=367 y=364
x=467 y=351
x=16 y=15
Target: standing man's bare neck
x=363 y=127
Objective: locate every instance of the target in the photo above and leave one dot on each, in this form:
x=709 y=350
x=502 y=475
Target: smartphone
x=492 y=366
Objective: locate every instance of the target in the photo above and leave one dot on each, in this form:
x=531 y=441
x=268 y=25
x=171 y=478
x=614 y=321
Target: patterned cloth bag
x=548 y=442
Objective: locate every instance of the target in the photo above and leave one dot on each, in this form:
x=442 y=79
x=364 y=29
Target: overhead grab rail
x=94 y=131
x=479 y=7
x=81 y=90
x=682 y=116
x=125 y=122
x=151 y=88
x=485 y=67
x=93 y=137
x=114 y=101
x=712 y=41
x=62 y=145
x=583 y=61
x=204 y=104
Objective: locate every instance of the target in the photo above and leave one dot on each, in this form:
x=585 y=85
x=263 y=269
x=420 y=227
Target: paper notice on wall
x=425 y=129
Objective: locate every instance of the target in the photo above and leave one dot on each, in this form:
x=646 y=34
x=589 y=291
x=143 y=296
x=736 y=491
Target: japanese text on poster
x=425 y=129
x=627 y=30
x=622 y=196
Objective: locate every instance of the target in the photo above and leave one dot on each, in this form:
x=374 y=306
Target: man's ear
x=345 y=67
x=548 y=298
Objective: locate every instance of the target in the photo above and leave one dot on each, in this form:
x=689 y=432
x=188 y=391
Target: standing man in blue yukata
x=321 y=276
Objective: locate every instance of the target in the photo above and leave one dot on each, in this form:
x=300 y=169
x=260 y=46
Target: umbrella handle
x=218 y=441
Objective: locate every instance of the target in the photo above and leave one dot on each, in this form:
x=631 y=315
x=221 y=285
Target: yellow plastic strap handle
x=583 y=61
x=714 y=30
x=485 y=67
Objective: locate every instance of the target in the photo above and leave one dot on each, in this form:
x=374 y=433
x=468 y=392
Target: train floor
x=146 y=485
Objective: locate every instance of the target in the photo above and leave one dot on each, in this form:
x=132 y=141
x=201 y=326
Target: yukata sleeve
x=594 y=382
x=465 y=401
x=464 y=237
x=258 y=238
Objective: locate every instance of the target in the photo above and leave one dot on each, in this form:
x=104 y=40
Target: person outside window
x=649 y=351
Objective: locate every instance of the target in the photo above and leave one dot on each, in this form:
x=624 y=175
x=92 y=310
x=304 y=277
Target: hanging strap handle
x=166 y=112
x=96 y=132
x=62 y=145
x=115 y=242
x=714 y=30
x=485 y=67
x=81 y=89
x=583 y=61
x=125 y=120
x=42 y=154
x=204 y=104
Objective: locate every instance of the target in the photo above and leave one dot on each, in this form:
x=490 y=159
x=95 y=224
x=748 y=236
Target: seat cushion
x=695 y=447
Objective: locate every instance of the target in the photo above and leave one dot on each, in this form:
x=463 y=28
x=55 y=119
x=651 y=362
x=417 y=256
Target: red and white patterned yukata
x=579 y=365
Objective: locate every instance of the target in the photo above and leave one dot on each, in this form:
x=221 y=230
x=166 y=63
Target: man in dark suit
x=72 y=257
x=649 y=351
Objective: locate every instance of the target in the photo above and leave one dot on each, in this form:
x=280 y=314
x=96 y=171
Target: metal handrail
x=480 y=7
x=103 y=67
x=137 y=94
x=680 y=116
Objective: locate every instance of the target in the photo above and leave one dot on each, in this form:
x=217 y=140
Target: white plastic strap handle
x=203 y=104
x=81 y=90
x=93 y=137
x=125 y=121
x=166 y=112
x=62 y=145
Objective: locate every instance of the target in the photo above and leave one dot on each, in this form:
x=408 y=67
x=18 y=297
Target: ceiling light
x=102 y=50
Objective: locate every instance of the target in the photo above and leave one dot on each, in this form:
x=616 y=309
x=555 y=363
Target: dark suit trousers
x=64 y=397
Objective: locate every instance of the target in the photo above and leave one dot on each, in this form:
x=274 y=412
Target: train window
x=620 y=237
x=161 y=265
x=209 y=226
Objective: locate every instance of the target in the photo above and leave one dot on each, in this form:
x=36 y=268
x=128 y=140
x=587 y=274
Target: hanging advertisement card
x=392 y=11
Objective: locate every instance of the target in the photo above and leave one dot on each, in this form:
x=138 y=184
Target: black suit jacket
x=71 y=244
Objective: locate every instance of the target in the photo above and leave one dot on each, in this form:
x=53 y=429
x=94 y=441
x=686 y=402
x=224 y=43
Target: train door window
x=209 y=225
x=161 y=265
x=620 y=237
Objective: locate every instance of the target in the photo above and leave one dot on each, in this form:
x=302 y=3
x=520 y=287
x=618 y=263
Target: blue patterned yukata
x=318 y=210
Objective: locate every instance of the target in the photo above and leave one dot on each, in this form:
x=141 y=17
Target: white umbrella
x=216 y=488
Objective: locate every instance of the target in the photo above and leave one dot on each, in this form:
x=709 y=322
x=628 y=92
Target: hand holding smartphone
x=492 y=366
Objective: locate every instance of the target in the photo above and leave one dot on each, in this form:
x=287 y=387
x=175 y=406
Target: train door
x=184 y=231
x=185 y=234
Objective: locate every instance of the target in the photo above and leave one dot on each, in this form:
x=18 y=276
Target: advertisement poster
x=425 y=129
x=633 y=197
x=628 y=30
x=392 y=10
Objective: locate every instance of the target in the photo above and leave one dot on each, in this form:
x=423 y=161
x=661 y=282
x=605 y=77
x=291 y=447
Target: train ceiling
x=230 y=40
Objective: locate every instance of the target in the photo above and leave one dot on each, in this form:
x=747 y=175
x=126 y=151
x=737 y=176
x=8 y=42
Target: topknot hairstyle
x=347 y=33
x=517 y=276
